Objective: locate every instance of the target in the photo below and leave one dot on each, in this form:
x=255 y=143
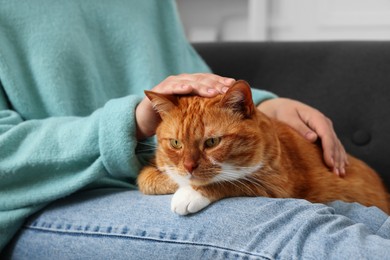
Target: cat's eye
x=176 y=144
x=212 y=142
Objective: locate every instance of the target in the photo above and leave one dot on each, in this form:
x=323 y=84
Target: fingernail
x=224 y=89
x=336 y=171
x=211 y=91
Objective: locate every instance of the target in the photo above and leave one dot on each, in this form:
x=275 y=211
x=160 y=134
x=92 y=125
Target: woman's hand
x=311 y=124
x=202 y=84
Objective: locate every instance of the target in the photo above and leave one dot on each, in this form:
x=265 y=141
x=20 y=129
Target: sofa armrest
x=347 y=81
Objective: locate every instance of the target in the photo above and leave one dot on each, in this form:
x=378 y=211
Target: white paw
x=187 y=200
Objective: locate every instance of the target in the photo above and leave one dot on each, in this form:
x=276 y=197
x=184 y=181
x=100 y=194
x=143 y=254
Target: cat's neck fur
x=282 y=163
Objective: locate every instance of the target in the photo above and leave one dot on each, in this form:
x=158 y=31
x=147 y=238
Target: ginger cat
x=213 y=148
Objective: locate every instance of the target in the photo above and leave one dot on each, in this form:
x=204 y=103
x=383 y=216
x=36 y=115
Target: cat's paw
x=186 y=200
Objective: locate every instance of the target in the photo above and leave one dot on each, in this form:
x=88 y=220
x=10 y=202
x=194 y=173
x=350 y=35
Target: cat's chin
x=185 y=179
x=196 y=178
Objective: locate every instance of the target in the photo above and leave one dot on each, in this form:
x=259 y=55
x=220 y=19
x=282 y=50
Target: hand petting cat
x=202 y=84
x=308 y=121
x=311 y=124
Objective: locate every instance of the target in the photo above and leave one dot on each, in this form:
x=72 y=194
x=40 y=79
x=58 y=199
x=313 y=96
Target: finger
x=220 y=85
x=227 y=81
x=174 y=86
x=339 y=158
x=305 y=131
x=204 y=84
x=334 y=153
x=331 y=153
x=343 y=159
x=212 y=81
x=208 y=89
x=192 y=87
x=337 y=162
x=300 y=124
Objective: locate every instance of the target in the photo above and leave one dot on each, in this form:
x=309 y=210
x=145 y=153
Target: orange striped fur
x=225 y=147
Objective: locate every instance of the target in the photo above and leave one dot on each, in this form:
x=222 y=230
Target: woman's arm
x=46 y=159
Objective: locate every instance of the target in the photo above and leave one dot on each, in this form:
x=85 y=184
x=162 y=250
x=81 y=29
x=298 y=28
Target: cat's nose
x=190 y=166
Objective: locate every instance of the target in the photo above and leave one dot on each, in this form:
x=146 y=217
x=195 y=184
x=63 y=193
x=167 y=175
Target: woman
x=73 y=124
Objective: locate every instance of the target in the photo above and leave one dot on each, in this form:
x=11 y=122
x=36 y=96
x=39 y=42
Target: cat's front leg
x=187 y=200
x=153 y=182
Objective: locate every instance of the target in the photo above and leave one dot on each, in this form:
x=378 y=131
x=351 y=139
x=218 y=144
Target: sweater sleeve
x=259 y=95
x=46 y=159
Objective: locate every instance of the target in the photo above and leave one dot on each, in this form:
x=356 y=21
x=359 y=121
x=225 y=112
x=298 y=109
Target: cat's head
x=208 y=140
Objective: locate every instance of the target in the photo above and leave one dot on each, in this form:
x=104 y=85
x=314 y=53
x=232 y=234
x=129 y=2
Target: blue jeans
x=121 y=224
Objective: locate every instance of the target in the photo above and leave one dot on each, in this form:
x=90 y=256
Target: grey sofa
x=347 y=81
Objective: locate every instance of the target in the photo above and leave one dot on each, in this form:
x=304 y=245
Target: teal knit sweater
x=72 y=73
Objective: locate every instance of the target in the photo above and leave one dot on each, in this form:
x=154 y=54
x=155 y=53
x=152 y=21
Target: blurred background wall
x=285 y=20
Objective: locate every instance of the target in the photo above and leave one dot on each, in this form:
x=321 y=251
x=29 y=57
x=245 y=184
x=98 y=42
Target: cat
x=212 y=148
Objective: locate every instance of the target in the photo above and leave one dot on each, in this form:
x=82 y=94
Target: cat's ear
x=162 y=103
x=239 y=99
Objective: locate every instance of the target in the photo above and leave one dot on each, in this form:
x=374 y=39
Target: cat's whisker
x=234 y=183
x=241 y=178
x=146 y=147
x=267 y=184
x=243 y=186
x=152 y=164
x=231 y=177
x=256 y=182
